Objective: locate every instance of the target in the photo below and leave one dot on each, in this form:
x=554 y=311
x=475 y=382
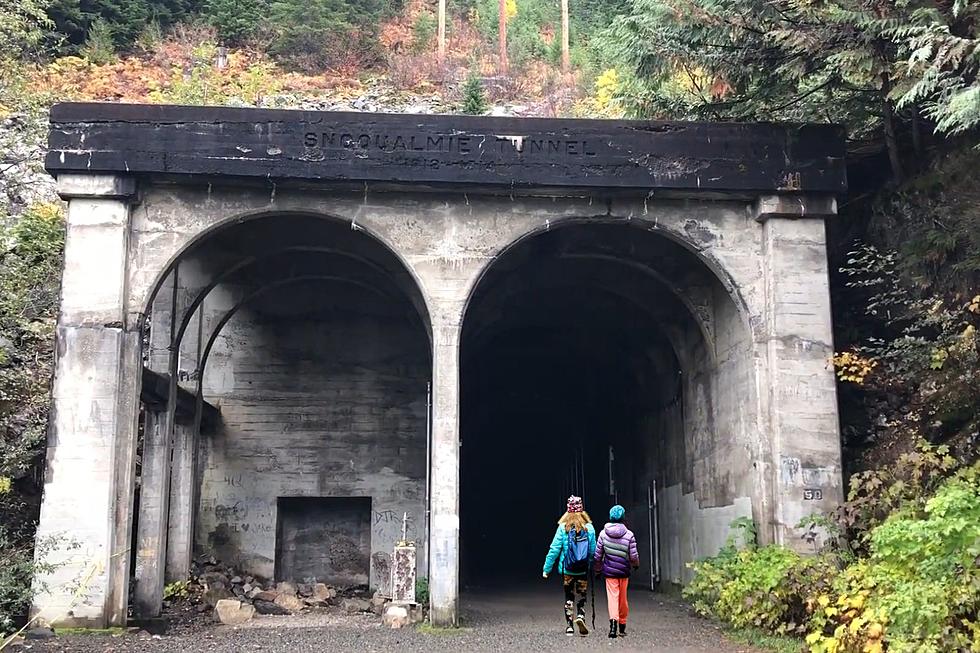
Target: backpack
x=576 y=560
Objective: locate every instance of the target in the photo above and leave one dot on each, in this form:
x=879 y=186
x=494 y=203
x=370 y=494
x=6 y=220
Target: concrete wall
x=318 y=406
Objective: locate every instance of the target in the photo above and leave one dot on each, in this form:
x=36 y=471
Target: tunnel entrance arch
x=585 y=370
x=307 y=342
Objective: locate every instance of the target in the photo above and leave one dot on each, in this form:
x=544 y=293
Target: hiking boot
x=622 y=630
x=612 y=628
x=569 y=631
x=583 y=630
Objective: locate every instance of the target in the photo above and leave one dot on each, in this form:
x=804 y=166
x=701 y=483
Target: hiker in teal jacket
x=572 y=525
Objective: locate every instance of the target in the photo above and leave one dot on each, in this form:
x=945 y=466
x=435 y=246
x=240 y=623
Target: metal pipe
x=428 y=470
x=656 y=531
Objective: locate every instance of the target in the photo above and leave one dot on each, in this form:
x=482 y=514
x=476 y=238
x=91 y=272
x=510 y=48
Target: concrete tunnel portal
x=292 y=342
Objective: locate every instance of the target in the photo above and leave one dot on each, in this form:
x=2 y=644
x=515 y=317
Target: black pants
x=576 y=588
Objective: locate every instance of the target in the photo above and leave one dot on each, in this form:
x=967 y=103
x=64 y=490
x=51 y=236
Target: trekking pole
x=592 y=585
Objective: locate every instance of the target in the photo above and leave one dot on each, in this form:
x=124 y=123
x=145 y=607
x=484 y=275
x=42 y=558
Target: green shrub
x=919 y=589
x=474 y=99
x=423 y=31
x=150 y=38
x=757 y=587
x=422 y=590
x=18 y=567
x=30 y=267
x=99 y=48
x=179 y=589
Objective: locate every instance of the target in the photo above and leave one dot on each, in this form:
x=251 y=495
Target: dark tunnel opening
x=569 y=383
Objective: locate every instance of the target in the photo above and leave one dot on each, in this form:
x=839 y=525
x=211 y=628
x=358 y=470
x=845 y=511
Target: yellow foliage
x=510 y=9
x=606 y=86
x=974 y=306
x=852 y=367
x=5 y=485
x=604 y=104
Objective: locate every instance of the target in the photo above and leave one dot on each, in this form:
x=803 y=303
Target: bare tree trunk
x=441 y=36
x=565 y=59
x=502 y=36
x=891 y=141
x=917 y=146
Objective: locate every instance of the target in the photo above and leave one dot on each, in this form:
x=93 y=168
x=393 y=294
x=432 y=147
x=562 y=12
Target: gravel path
x=526 y=621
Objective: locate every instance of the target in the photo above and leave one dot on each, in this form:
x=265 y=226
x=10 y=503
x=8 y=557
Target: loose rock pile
x=234 y=597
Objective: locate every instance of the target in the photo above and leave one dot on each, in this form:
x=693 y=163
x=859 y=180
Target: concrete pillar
x=158 y=431
x=444 y=493
x=180 y=526
x=803 y=423
x=88 y=486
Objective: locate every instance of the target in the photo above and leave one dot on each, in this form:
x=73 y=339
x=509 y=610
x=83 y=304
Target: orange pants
x=619 y=607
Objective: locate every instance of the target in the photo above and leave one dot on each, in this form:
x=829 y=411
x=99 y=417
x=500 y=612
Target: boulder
x=213 y=578
x=356 y=605
x=267 y=607
x=215 y=594
x=265 y=595
x=323 y=593
x=286 y=588
x=290 y=602
x=233 y=613
x=41 y=632
x=304 y=589
x=399 y=614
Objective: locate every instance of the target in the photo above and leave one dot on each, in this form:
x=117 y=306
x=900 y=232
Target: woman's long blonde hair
x=576 y=520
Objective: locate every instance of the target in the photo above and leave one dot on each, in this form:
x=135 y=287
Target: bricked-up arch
x=227 y=287
x=597 y=336
x=155 y=189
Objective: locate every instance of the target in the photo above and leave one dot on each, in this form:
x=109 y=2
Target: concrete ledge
x=71 y=185
x=794 y=206
x=156 y=390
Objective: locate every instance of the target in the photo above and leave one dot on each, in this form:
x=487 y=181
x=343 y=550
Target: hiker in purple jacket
x=615 y=557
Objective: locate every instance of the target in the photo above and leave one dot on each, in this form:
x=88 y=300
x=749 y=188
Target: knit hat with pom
x=574 y=504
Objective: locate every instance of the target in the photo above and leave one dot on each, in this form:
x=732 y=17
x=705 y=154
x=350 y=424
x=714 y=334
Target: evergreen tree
x=474 y=100
x=235 y=20
x=126 y=18
x=865 y=64
x=314 y=34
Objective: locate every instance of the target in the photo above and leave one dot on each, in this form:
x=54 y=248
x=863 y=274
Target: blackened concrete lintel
x=462 y=151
